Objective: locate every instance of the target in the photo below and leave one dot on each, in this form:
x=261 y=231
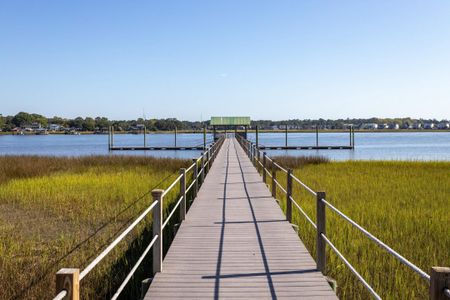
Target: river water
x=368 y=146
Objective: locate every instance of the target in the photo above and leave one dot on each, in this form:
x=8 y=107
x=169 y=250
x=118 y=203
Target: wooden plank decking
x=236 y=243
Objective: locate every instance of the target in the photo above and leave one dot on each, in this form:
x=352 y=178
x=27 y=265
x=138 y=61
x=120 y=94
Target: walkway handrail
x=68 y=279
x=254 y=154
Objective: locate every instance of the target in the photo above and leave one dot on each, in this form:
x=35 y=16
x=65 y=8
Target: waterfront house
x=443 y=125
x=371 y=126
x=54 y=127
x=428 y=126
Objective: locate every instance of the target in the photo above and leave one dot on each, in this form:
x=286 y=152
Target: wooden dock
x=124 y=148
x=305 y=147
x=236 y=243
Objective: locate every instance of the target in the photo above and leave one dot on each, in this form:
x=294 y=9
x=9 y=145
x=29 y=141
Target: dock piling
x=204 y=137
x=145 y=136
x=317 y=135
x=286 y=136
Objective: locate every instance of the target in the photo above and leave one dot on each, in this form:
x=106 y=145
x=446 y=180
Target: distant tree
x=2 y=121
x=89 y=124
x=57 y=120
x=22 y=118
x=77 y=122
x=39 y=119
x=102 y=122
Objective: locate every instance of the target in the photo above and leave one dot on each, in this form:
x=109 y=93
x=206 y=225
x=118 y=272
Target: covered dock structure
x=226 y=123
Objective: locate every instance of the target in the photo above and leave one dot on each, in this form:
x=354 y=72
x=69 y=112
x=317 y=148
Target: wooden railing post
x=203 y=167
x=258 y=155
x=274 y=177
x=253 y=154
x=183 y=194
x=440 y=280
x=321 y=229
x=195 y=177
x=207 y=158
x=68 y=280
x=264 y=167
x=257 y=136
x=157 y=230
x=288 y=196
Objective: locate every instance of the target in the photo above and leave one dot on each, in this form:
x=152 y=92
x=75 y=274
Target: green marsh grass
x=405 y=204
x=62 y=212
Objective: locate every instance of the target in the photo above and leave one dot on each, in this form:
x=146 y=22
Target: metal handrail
x=363 y=281
x=124 y=283
x=304 y=185
x=280 y=186
x=447 y=292
x=115 y=242
x=190 y=186
x=166 y=191
x=304 y=213
x=280 y=167
x=172 y=212
x=61 y=295
x=190 y=168
x=380 y=243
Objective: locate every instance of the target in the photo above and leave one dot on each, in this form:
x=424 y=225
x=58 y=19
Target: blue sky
x=193 y=59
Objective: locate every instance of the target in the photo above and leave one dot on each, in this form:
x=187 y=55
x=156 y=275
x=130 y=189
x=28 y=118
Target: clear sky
x=193 y=59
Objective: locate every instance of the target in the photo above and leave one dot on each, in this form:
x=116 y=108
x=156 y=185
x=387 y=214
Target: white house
x=443 y=125
x=371 y=126
x=54 y=127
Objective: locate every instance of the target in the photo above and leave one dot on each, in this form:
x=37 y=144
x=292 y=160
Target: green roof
x=225 y=121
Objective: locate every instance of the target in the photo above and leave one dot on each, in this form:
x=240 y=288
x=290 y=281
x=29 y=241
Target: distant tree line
x=23 y=119
x=340 y=123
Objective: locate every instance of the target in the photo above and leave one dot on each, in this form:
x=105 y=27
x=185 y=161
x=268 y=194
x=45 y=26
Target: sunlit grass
x=61 y=212
x=405 y=204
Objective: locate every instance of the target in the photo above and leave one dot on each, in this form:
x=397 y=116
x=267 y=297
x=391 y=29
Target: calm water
x=95 y=144
x=369 y=146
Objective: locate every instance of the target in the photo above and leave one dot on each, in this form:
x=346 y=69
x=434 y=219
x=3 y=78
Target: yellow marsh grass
x=64 y=211
x=405 y=204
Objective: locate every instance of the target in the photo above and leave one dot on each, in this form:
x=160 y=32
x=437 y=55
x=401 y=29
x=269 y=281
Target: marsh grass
x=62 y=212
x=405 y=204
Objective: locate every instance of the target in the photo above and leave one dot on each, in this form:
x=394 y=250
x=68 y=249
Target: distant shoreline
x=249 y=131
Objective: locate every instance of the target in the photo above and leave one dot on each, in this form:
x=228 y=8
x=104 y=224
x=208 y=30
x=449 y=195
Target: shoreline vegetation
x=400 y=202
x=32 y=122
x=322 y=131
x=62 y=212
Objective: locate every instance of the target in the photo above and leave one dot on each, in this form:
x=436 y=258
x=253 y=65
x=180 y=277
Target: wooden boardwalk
x=236 y=243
